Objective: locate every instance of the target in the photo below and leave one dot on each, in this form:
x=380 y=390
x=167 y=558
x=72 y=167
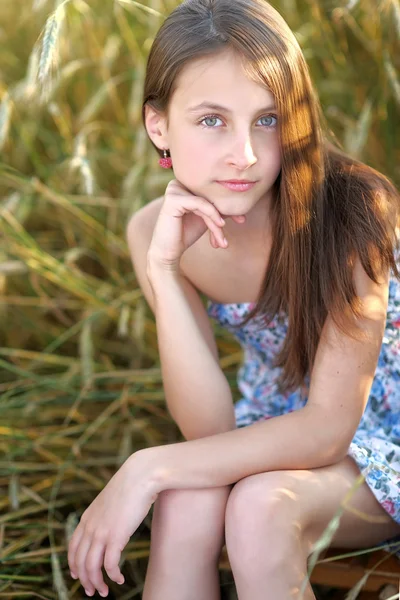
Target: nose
x=242 y=155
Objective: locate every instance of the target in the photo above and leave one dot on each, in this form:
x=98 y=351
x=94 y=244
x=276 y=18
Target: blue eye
x=210 y=118
x=269 y=117
x=214 y=118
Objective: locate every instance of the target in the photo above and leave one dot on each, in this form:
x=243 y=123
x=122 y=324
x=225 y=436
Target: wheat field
x=80 y=379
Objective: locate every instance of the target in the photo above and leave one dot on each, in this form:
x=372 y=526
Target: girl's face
x=233 y=135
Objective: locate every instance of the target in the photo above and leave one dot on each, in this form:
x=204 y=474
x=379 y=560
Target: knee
x=262 y=507
x=191 y=514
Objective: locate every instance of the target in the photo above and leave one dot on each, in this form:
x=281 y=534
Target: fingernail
x=225 y=241
x=88 y=593
x=222 y=221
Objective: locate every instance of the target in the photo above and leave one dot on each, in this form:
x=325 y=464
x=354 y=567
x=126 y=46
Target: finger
x=94 y=561
x=217 y=233
x=111 y=562
x=210 y=210
x=213 y=241
x=215 y=229
x=239 y=218
x=72 y=547
x=80 y=561
x=196 y=205
x=236 y=218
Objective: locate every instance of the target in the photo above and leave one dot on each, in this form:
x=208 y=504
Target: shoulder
x=140 y=228
x=139 y=233
x=372 y=294
x=145 y=217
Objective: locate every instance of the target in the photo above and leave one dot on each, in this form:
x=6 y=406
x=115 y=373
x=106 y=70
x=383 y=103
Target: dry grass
x=79 y=367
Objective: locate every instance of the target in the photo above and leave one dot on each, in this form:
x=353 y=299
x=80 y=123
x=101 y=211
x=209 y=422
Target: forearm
x=197 y=392
x=292 y=441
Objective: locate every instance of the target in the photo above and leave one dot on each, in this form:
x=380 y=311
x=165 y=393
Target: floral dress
x=376 y=444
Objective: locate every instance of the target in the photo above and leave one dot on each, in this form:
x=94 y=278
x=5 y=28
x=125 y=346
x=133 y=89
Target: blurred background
x=80 y=382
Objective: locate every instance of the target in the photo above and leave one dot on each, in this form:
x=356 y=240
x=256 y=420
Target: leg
x=187 y=536
x=273 y=520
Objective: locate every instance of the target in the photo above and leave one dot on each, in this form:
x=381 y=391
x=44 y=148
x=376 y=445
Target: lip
x=237 y=181
x=236 y=185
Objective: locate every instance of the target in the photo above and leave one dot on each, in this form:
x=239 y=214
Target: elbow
x=326 y=454
x=324 y=451
x=194 y=429
x=342 y=449
x=341 y=443
x=333 y=454
x=206 y=413
x=331 y=438
x=336 y=450
x=197 y=432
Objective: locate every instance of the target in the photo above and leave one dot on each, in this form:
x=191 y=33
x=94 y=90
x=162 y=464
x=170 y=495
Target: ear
x=156 y=126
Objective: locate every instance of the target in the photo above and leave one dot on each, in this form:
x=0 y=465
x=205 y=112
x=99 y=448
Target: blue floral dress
x=376 y=443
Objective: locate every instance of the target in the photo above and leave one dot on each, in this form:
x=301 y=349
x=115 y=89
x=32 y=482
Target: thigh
x=364 y=522
x=307 y=500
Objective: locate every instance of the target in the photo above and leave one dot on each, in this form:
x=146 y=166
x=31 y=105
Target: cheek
x=190 y=156
x=274 y=160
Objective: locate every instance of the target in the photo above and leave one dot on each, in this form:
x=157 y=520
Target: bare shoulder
x=139 y=234
x=224 y=276
x=140 y=229
x=145 y=217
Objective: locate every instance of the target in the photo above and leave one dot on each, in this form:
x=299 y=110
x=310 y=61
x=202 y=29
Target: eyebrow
x=218 y=107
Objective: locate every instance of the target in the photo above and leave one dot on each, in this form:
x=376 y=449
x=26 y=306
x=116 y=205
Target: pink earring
x=166 y=162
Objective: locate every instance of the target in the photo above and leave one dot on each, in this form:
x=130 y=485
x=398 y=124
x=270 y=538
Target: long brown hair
x=327 y=208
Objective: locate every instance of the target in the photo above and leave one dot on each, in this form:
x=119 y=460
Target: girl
x=299 y=261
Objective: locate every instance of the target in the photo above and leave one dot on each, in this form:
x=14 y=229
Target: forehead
x=221 y=79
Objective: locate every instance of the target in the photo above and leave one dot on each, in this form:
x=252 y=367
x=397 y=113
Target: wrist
x=160 y=274
x=146 y=466
x=160 y=266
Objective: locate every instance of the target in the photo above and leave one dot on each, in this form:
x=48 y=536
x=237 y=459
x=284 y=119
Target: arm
x=312 y=437
x=197 y=392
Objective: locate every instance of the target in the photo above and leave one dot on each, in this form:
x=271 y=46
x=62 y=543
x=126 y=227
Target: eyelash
x=217 y=117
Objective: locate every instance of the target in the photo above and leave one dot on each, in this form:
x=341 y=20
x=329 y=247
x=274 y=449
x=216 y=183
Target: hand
x=182 y=220
x=108 y=523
